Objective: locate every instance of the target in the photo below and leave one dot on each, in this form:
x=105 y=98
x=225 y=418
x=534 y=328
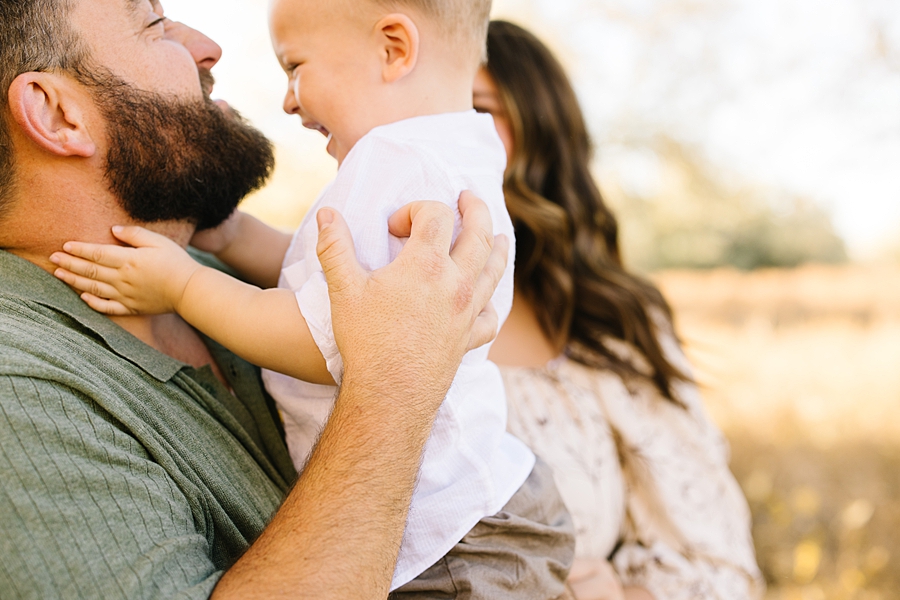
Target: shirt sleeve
x=688 y=525
x=85 y=512
x=378 y=177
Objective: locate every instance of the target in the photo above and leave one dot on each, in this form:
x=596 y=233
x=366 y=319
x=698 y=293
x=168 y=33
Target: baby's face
x=325 y=47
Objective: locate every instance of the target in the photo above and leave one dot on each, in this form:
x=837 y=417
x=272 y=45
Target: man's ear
x=50 y=112
x=399 y=41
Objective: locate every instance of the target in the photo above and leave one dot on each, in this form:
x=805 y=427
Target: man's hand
x=148 y=278
x=416 y=317
x=402 y=331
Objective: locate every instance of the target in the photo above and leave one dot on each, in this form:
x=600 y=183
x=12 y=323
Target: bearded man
x=137 y=458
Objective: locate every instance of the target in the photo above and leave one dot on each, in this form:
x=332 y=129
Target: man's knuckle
x=326 y=244
x=431 y=227
x=464 y=296
x=434 y=220
x=432 y=266
x=487 y=240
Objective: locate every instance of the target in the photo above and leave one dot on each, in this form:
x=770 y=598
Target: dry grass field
x=801 y=368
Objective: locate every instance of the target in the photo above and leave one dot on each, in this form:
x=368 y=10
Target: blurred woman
x=596 y=381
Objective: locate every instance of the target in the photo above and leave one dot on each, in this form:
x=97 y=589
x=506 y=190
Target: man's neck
x=63 y=206
x=173 y=337
x=61 y=203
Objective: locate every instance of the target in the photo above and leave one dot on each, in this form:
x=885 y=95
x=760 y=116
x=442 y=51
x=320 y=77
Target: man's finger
x=427 y=224
x=491 y=274
x=476 y=239
x=484 y=329
x=337 y=255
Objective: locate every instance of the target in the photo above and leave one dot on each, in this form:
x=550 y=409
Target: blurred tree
x=676 y=210
x=798 y=95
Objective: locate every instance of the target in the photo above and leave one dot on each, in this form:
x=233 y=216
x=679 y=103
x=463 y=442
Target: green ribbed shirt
x=124 y=473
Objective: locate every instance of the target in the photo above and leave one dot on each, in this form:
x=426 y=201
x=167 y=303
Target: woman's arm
x=247 y=245
x=688 y=526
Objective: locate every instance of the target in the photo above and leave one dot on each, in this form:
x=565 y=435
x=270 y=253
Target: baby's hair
x=461 y=21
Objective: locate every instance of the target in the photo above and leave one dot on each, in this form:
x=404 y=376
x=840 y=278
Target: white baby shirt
x=471 y=466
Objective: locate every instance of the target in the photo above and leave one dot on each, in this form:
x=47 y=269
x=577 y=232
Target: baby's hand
x=148 y=278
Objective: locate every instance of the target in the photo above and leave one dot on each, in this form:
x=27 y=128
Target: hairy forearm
x=636 y=593
x=338 y=533
x=256 y=252
x=402 y=331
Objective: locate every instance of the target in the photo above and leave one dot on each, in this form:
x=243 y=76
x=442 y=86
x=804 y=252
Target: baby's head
x=356 y=64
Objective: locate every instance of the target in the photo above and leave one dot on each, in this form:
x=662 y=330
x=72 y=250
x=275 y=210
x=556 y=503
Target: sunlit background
x=751 y=149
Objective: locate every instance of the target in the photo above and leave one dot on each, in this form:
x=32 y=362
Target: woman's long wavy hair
x=568 y=264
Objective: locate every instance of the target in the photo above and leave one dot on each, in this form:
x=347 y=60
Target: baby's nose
x=290 y=106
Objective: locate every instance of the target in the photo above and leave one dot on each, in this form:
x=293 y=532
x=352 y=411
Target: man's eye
x=159 y=21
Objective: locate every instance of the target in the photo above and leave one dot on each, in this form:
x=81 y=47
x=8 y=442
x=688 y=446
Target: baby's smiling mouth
x=324 y=131
x=316 y=127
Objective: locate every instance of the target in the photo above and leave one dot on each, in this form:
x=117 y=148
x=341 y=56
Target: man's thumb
x=337 y=254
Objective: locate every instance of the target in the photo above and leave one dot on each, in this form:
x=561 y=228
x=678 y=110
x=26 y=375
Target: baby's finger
x=103 y=254
x=85 y=268
x=107 y=307
x=139 y=237
x=83 y=284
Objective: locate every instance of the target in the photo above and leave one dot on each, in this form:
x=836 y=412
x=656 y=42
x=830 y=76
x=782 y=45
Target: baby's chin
x=338 y=149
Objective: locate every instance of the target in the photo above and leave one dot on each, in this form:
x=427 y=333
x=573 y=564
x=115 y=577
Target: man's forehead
x=131 y=6
x=136 y=5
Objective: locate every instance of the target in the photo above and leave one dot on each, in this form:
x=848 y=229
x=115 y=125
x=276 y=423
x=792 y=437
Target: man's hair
x=35 y=35
x=462 y=21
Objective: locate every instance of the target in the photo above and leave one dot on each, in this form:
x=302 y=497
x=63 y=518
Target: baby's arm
x=247 y=245
x=157 y=276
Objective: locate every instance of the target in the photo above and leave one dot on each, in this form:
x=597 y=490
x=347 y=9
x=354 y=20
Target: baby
x=389 y=82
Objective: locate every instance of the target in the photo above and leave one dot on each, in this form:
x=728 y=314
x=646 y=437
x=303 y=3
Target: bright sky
x=803 y=95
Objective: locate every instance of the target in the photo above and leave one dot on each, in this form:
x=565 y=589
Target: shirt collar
x=467 y=128
x=28 y=282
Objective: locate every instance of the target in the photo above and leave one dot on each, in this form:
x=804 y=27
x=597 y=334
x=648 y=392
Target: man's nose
x=206 y=52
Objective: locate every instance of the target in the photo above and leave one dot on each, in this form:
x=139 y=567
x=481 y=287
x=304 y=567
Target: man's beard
x=178 y=160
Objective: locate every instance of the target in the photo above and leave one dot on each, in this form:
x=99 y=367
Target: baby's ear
x=399 y=42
